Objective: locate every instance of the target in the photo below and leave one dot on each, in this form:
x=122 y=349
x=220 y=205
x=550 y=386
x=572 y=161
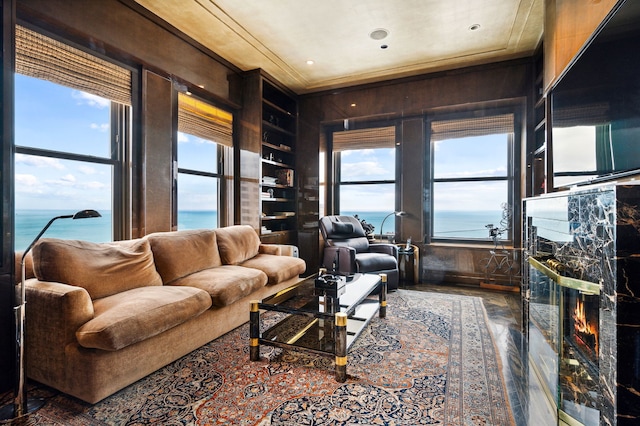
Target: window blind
x=42 y=57
x=204 y=121
x=469 y=127
x=583 y=115
x=378 y=137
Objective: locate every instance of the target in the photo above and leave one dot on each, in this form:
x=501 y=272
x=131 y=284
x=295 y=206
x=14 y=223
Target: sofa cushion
x=225 y=284
x=102 y=269
x=181 y=253
x=131 y=316
x=237 y=243
x=277 y=268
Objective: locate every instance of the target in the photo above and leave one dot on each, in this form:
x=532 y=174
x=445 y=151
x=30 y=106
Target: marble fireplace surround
x=596 y=231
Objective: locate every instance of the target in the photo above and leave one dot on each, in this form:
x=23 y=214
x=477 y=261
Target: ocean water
x=447 y=224
x=29 y=222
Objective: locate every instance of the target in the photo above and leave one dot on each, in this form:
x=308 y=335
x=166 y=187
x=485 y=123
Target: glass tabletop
x=306 y=297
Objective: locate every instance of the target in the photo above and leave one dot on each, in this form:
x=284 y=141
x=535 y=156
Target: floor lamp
x=400 y=213
x=21 y=405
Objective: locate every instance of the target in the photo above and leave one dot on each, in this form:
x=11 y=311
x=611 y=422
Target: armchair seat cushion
x=373 y=262
x=135 y=315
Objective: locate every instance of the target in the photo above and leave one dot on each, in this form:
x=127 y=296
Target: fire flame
x=582 y=326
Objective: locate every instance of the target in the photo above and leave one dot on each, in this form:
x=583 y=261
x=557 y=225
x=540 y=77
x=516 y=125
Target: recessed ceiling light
x=353 y=105
x=384 y=46
x=310 y=62
x=474 y=27
x=379 y=34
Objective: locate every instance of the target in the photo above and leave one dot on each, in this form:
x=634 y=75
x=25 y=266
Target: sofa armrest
x=279 y=249
x=390 y=249
x=54 y=313
x=341 y=259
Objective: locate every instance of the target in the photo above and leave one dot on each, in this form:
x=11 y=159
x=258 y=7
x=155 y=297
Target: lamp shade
x=398 y=213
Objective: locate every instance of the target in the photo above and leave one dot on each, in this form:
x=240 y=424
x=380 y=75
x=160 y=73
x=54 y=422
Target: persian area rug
x=432 y=361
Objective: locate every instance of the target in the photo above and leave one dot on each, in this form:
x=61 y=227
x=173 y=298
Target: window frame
x=513 y=192
x=334 y=181
x=224 y=159
x=121 y=140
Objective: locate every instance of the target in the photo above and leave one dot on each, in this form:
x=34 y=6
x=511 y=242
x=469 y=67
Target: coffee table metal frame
x=328 y=326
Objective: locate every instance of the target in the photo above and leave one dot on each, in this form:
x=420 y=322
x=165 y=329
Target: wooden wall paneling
x=308 y=167
x=7 y=268
x=412 y=200
x=415 y=96
x=246 y=90
x=569 y=24
x=157 y=153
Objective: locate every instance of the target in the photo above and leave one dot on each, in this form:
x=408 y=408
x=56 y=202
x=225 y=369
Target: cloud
x=26 y=180
x=68 y=178
x=93 y=185
x=363 y=168
x=101 y=127
x=30 y=160
x=84 y=98
x=182 y=137
x=87 y=170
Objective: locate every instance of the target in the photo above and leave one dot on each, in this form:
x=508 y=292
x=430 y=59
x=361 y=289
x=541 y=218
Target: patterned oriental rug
x=432 y=361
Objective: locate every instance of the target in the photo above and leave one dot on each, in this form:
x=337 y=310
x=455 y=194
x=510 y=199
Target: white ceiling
x=280 y=36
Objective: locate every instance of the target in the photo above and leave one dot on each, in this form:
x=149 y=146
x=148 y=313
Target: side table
x=409 y=263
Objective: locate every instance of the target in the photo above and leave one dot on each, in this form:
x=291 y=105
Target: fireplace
x=564 y=339
x=579 y=367
x=581 y=302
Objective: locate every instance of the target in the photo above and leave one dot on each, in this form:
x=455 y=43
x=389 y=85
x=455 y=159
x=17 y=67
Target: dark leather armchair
x=347 y=250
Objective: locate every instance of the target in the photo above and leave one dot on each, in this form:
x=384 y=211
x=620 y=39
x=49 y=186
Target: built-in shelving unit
x=540 y=147
x=278 y=189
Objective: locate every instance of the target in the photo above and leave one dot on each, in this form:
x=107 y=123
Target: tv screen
x=595 y=107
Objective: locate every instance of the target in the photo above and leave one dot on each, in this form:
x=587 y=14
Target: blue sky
x=53 y=117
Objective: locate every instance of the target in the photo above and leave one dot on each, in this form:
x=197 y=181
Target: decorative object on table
x=285 y=177
x=21 y=404
x=399 y=214
x=368 y=228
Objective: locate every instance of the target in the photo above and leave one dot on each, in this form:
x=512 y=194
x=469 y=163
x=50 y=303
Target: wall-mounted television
x=595 y=106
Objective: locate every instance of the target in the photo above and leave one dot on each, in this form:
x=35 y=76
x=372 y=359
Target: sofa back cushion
x=102 y=269
x=237 y=243
x=180 y=253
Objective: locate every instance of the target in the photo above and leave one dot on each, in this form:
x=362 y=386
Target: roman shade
x=205 y=121
x=470 y=127
x=377 y=137
x=47 y=59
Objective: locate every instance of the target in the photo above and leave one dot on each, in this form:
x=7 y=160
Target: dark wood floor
x=504 y=313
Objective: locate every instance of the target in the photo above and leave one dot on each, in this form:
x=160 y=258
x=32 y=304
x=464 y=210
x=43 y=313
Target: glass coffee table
x=321 y=318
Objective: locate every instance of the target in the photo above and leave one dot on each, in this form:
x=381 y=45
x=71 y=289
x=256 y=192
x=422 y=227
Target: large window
x=72 y=120
x=365 y=169
x=472 y=177
x=204 y=141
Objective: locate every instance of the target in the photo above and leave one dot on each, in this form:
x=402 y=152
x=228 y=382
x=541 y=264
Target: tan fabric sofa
x=102 y=316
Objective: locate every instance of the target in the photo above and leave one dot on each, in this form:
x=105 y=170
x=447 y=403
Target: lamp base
x=8 y=412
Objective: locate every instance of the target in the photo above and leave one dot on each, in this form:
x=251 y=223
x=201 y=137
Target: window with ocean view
x=70 y=135
x=204 y=136
x=366 y=172
x=471 y=176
